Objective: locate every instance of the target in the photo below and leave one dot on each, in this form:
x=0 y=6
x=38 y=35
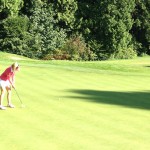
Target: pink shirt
x=8 y=74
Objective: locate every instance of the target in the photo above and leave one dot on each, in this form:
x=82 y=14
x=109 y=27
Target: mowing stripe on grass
x=71 y=108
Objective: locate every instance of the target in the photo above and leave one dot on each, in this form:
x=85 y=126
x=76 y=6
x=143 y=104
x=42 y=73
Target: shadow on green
x=139 y=100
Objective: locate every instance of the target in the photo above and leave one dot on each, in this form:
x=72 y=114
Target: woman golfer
x=7 y=80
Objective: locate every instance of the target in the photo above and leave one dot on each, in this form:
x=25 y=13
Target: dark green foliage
x=10 y=8
x=117 y=22
x=106 y=26
x=75 y=48
x=16 y=38
x=65 y=13
x=141 y=27
x=97 y=48
x=109 y=28
x=91 y=27
x=47 y=35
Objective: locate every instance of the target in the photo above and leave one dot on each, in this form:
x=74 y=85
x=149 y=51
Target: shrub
x=124 y=54
x=77 y=49
x=57 y=55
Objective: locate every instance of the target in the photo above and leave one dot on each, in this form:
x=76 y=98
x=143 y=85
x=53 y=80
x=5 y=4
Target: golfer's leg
x=9 y=97
x=2 y=95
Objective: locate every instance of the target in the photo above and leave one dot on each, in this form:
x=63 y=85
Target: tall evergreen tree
x=43 y=27
x=10 y=8
x=106 y=25
x=116 y=23
x=65 y=13
x=141 y=27
x=89 y=25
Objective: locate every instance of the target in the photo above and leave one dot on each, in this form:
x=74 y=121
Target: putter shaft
x=18 y=96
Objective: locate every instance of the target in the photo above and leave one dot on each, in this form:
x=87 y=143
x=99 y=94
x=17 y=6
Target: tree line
x=75 y=29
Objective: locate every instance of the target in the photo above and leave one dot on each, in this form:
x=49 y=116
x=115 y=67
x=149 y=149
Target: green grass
x=78 y=105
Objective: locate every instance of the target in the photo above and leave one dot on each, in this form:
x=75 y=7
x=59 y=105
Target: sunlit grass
x=79 y=106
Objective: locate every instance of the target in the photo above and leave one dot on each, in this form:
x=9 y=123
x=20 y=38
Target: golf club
x=22 y=105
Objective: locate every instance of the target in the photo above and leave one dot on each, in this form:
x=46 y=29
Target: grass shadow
x=139 y=100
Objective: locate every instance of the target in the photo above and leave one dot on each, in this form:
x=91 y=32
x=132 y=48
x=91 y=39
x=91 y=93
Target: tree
x=141 y=27
x=109 y=28
x=43 y=27
x=10 y=8
x=106 y=26
x=65 y=14
x=89 y=25
x=14 y=37
x=117 y=22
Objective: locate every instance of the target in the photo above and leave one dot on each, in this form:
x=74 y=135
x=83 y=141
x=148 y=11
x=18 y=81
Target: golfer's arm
x=12 y=81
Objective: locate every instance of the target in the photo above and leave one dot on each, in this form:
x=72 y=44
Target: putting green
x=78 y=106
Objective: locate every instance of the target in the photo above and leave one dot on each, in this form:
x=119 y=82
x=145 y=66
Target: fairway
x=78 y=106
